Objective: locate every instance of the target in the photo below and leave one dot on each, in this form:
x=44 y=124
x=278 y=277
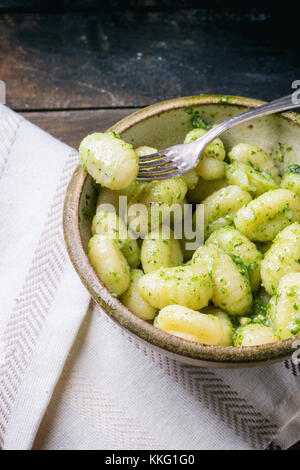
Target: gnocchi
x=133 y=300
x=256 y=157
x=160 y=194
x=254 y=334
x=282 y=258
x=109 y=263
x=109 y=200
x=191 y=179
x=263 y=218
x=214 y=150
x=231 y=286
x=109 y=159
x=189 y=286
x=211 y=169
x=284 y=307
x=236 y=244
x=208 y=328
x=110 y=224
x=246 y=177
x=160 y=250
x=220 y=207
x=291 y=179
x=144 y=150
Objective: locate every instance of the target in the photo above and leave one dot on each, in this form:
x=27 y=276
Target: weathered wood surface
x=134 y=58
x=72 y=126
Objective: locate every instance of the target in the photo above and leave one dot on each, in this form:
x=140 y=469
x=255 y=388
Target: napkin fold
x=73 y=379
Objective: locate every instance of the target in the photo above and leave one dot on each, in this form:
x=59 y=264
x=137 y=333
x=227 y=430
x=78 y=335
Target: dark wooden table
x=81 y=66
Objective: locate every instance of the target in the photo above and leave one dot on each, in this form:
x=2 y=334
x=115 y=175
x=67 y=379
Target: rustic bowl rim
x=177 y=347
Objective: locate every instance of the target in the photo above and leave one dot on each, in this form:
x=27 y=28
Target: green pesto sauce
x=294 y=169
x=197 y=119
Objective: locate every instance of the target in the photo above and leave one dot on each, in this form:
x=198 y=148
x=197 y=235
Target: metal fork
x=178 y=159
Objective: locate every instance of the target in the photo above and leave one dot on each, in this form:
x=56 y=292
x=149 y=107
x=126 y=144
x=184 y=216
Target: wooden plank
x=116 y=59
x=72 y=126
x=72 y=5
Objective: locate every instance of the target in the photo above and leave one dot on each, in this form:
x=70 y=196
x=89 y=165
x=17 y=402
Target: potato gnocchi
x=133 y=300
x=237 y=245
x=211 y=327
x=291 y=179
x=231 y=285
x=249 y=179
x=213 y=293
x=284 y=307
x=264 y=217
x=160 y=250
x=221 y=206
x=109 y=263
x=254 y=334
x=256 y=157
x=283 y=257
x=109 y=159
x=111 y=225
x=189 y=286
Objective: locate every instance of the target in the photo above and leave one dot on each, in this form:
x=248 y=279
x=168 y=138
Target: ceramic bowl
x=160 y=126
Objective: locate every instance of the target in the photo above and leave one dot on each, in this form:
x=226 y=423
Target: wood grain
x=134 y=58
x=72 y=126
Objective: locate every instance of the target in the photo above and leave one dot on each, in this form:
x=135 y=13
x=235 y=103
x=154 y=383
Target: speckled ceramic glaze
x=160 y=126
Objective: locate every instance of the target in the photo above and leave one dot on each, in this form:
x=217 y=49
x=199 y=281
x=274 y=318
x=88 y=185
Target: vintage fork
x=178 y=159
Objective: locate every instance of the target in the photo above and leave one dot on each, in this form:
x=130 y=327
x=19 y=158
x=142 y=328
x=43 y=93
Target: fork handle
x=281 y=104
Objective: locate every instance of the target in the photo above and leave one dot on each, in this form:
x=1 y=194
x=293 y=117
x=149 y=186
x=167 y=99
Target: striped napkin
x=73 y=379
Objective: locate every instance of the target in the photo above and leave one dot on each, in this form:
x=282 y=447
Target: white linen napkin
x=112 y=391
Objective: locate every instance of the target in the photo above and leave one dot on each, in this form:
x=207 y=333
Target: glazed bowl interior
x=159 y=126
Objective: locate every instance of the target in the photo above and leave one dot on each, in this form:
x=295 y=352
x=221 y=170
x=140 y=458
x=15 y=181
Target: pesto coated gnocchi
x=213 y=327
x=214 y=150
x=213 y=293
x=211 y=169
x=111 y=225
x=231 y=285
x=291 y=179
x=253 y=334
x=161 y=195
x=246 y=177
x=189 y=286
x=221 y=206
x=133 y=299
x=191 y=179
x=237 y=245
x=282 y=258
x=284 y=307
x=109 y=263
x=256 y=157
x=109 y=159
x=160 y=250
x=263 y=218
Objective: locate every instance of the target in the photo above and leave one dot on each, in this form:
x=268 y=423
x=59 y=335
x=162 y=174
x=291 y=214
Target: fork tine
x=154 y=163
x=155 y=176
x=152 y=156
x=157 y=170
